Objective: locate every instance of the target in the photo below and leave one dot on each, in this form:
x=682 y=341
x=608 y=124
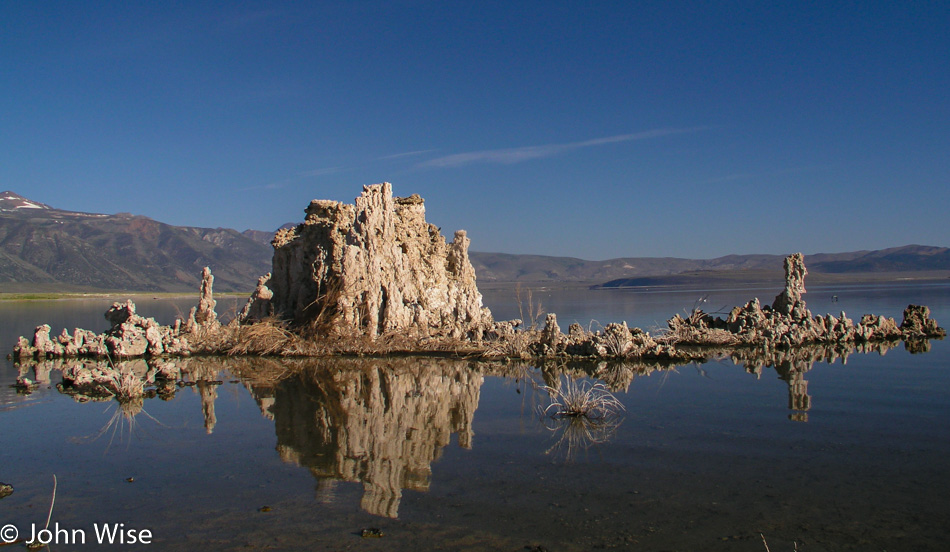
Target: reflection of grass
x=581 y=414
x=122 y=422
x=576 y=433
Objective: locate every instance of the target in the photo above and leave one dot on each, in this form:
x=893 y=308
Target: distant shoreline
x=716 y=279
x=732 y=279
x=110 y=295
x=708 y=279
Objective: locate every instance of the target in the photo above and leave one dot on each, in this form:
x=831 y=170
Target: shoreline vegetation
x=375 y=279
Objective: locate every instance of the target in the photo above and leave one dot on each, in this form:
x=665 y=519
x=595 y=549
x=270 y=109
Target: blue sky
x=586 y=129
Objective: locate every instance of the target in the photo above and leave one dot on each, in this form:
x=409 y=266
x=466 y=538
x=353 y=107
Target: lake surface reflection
x=829 y=449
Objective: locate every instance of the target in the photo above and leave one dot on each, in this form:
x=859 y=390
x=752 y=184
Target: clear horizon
x=562 y=129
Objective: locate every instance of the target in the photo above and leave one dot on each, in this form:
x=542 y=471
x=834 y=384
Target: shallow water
x=445 y=454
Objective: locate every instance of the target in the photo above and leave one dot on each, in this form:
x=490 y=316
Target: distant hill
x=43 y=248
x=646 y=271
x=47 y=249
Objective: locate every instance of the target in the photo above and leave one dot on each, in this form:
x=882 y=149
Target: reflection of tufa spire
x=799 y=401
x=325 y=492
x=208 y=393
x=379 y=422
x=792 y=364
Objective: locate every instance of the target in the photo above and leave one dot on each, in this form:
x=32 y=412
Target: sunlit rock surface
x=258 y=306
x=375 y=267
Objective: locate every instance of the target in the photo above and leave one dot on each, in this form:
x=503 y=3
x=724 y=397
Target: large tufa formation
x=374 y=268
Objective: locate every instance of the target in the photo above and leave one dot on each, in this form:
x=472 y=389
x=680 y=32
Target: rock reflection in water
x=792 y=365
x=383 y=422
x=380 y=422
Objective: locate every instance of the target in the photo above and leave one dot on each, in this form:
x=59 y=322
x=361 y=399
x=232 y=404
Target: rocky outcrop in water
x=375 y=267
x=788 y=322
x=790 y=302
x=785 y=324
x=130 y=336
x=375 y=278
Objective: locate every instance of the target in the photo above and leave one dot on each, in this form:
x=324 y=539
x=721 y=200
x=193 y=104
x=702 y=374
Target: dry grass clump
x=274 y=337
x=267 y=337
x=126 y=386
x=270 y=336
x=581 y=414
x=514 y=345
x=528 y=310
x=581 y=398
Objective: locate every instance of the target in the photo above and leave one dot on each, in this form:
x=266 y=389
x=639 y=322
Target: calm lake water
x=442 y=454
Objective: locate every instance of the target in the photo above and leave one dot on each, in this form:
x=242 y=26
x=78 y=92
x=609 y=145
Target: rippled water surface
x=447 y=454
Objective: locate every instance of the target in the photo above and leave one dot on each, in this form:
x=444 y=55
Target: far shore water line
x=110 y=295
x=719 y=280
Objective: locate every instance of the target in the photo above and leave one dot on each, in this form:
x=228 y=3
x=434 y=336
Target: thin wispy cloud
x=282 y=183
x=510 y=156
x=405 y=154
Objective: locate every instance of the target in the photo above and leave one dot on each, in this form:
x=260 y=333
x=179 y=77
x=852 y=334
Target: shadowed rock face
x=375 y=267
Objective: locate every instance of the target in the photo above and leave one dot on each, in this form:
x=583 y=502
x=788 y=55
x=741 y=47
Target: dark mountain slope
x=43 y=245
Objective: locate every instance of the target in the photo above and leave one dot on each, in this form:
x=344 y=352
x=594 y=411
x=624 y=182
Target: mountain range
x=47 y=249
x=909 y=261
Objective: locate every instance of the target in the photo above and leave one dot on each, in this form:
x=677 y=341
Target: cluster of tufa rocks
x=130 y=335
x=788 y=322
x=376 y=270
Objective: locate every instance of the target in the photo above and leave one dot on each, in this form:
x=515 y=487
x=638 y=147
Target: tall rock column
x=375 y=267
x=790 y=301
